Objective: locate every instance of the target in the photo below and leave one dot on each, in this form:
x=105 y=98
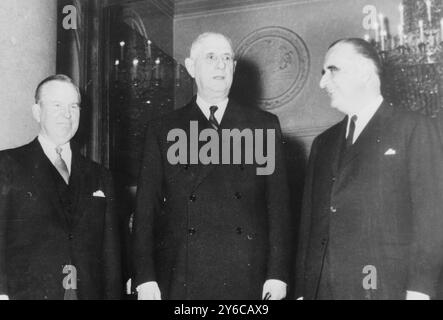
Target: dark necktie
x=61 y=166
x=212 y=120
x=350 y=138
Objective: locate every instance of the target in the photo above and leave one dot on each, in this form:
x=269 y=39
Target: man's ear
x=366 y=71
x=189 y=63
x=235 y=65
x=36 y=112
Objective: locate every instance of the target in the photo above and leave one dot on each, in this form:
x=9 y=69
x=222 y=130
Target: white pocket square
x=99 y=194
x=390 y=152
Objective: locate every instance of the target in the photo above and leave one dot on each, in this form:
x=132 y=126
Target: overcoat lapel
x=201 y=170
x=231 y=119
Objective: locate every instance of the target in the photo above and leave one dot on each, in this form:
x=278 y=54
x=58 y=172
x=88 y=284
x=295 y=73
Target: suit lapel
x=42 y=177
x=78 y=186
x=338 y=146
x=371 y=134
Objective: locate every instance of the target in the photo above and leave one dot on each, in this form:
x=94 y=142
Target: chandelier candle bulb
x=382 y=22
x=116 y=64
x=135 y=63
x=122 y=48
x=149 y=49
x=429 y=10
x=401 y=35
x=376 y=31
x=157 y=69
x=422 y=31
x=401 y=9
x=383 y=38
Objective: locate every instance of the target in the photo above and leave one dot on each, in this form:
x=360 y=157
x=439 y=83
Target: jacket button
x=193 y=197
x=237 y=195
x=323 y=242
x=70 y=237
x=192 y=231
x=239 y=230
x=333 y=209
x=334 y=179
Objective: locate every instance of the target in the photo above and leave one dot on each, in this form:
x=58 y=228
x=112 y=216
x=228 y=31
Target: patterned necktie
x=61 y=166
x=350 y=138
x=212 y=119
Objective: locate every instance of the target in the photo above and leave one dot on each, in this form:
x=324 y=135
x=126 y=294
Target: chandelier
x=413 y=58
x=145 y=70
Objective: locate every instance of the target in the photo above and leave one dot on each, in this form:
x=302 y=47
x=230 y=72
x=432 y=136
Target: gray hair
x=56 y=77
x=196 y=44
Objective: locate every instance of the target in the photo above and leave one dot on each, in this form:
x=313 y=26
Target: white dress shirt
x=363 y=117
x=204 y=107
x=49 y=150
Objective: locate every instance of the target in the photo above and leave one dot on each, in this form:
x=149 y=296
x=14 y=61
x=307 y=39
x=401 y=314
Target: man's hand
x=3 y=297
x=149 y=291
x=274 y=290
x=414 y=295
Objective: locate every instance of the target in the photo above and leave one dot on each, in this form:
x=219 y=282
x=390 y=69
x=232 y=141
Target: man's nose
x=323 y=81
x=221 y=64
x=67 y=112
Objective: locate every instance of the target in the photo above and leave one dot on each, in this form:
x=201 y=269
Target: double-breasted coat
x=210 y=231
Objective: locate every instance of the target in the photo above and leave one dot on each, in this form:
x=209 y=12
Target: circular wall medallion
x=281 y=60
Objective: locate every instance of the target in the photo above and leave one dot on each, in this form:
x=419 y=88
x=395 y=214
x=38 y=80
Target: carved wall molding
x=166 y=6
x=188 y=9
x=280 y=62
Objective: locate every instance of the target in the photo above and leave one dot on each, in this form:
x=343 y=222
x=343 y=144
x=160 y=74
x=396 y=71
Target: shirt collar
x=49 y=149
x=364 y=116
x=204 y=107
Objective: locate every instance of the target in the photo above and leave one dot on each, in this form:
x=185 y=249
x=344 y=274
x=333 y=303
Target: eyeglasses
x=212 y=58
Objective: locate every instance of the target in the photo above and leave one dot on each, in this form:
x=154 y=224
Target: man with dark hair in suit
x=210 y=231
x=372 y=217
x=59 y=231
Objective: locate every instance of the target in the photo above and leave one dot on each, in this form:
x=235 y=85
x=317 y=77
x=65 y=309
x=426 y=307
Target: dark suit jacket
x=210 y=231
x=38 y=237
x=382 y=207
